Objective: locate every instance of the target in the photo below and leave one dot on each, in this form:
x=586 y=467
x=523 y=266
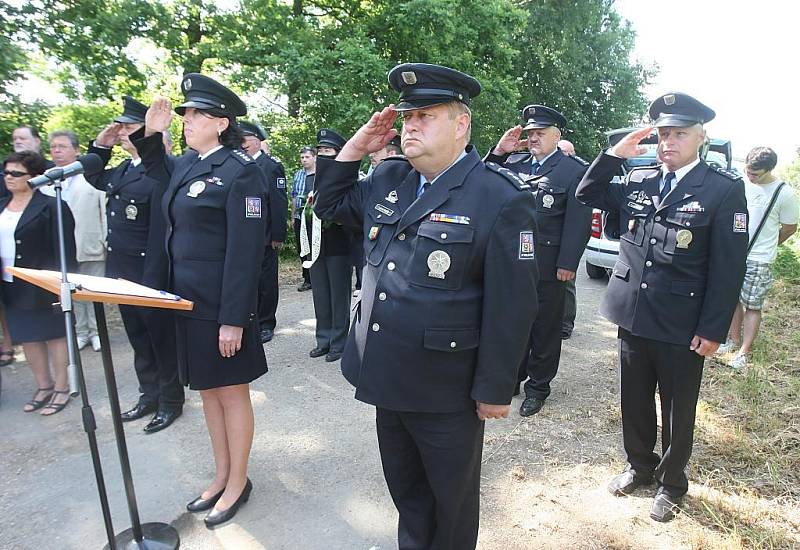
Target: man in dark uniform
x=440 y=327
x=673 y=290
x=331 y=274
x=277 y=209
x=564 y=228
x=135 y=228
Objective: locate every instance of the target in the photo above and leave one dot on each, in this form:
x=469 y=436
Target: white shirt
x=8 y=244
x=785 y=211
x=209 y=152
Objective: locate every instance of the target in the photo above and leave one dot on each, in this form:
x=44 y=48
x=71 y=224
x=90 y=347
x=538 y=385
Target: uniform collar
x=680 y=172
x=210 y=152
x=258 y=154
x=541 y=162
x=136 y=162
x=423 y=180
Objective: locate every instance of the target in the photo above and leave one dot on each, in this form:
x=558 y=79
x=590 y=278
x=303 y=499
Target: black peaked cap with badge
x=133 y=111
x=423 y=85
x=252 y=129
x=329 y=138
x=679 y=110
x=540 y=116
x=206 y=94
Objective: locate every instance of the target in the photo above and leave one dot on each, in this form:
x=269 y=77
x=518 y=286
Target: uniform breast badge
x=438 y=264
x=373 y=232
x=131 y=212
x=684 y=237
x=196 y=188
x=392 y=196
x=548 y=201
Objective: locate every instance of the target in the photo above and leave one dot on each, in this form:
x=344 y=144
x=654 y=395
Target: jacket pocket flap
x=688 y=219
x=451 y=339
x=446 y=232
x=621 y=270
x=688 y=288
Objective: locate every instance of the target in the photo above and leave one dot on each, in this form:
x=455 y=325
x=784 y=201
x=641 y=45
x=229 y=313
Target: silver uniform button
x=443 y=235
x=653 y=240
x=18 y=241
x=452 y=345
x=688 y=224
x=116 y=196
x=141 y=253
x=390 y=266
x=382 y=296
x=401 y=237
x=691 y=294
x=644 y=285
x=375 y=327
x=132 y=201
x=113 y=213
x=648 y=263
x=658 y=218
x=19 y=256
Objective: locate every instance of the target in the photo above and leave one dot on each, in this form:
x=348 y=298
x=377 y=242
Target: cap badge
x=409 y=77
x=532 y=110
x=323 y=133
x=438 y=263
x=669 y=99
x=187 y=84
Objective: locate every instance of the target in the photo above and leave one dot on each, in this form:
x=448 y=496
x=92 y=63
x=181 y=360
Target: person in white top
x=779 y=225
x=88 y=206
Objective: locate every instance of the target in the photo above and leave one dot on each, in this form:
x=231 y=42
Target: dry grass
x=747 y=439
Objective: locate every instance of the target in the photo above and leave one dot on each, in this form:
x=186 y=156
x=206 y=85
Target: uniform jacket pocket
x=451 y=339
x=440 y=255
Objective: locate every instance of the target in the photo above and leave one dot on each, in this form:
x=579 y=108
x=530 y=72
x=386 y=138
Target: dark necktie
x=666 y=185
x=535 y=167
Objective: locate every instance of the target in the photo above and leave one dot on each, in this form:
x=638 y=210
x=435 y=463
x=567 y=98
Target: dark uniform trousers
x=679 y=272
x=426 y=346
x=677 y=371
x=431 y=462
x=276 y=231
x=570 y=307
x=564 y=228
x=331 y=286
x=133 y=199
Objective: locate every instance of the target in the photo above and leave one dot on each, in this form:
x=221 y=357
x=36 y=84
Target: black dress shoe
x=162 y=419
x=141 y=409
x=333 y=356
x=318 y=352
x=531 y=406
x=626 y=482
x=266 y=335
x=566 y=334
x=664 y=507
x=304 y=286
x=216 y=517
x=201 y=504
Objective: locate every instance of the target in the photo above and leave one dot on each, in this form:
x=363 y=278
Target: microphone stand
x=77 y=384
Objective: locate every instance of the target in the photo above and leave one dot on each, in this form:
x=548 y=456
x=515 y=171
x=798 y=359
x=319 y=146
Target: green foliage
x=84 y=120
x=13 y=57
x=791 y=173
x=787 y=263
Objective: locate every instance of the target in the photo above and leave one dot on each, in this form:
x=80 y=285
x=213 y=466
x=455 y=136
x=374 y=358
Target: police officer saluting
x=564 y=227
x=276 y=212
x=440 y=328
x=134 y=220
x=683 y=245
x=214 y=246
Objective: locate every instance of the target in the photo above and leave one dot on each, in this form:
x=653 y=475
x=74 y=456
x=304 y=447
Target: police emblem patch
x=373 y=232
x=131 y=212
x=281 y=183
x=409 y=77
x=196 y=188
x=547 y=201
x=740 y=222
x=526 y=247
x=252 y=207
x=392 y=196
x=438 y=264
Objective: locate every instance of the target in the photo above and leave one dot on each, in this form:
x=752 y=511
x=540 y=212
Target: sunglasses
x=16 y=173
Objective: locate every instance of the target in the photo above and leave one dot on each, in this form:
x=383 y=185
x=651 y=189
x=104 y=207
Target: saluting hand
x=230 y=340
x=486 y=411
x=109 y=136
x=510 y=141
x=629 y=145
x=371 y=137
x=158 y=116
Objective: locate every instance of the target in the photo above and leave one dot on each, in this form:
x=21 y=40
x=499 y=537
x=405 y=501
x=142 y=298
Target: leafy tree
x=576 y=58
x=791 y=172
x=13 y=57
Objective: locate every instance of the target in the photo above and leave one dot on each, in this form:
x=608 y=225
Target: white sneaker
x=83 y=341
x=96 y=343
x=738 y=362
x=727 y=347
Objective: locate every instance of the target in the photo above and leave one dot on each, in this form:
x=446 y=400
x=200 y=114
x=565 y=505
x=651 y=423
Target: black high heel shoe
x=216 y=517
x=200 y=504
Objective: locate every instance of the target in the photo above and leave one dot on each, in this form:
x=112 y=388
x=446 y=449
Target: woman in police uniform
x=214 y=245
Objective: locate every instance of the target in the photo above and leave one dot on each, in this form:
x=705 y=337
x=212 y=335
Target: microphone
x=87 y=164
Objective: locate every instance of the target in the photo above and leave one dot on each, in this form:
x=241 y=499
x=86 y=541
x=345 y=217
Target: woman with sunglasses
x=215 y=238
x=29 y=238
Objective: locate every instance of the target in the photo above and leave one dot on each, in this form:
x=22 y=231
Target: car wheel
x=595 y=271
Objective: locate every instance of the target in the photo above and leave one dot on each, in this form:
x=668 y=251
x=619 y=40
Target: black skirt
x=34 y=325
x=202 y=367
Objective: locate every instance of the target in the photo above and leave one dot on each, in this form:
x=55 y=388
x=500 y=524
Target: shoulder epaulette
x=638 y=175
x=242 y=157
x=579 y=160
x=514 y=158
x=511 y=176
x=730 y=174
